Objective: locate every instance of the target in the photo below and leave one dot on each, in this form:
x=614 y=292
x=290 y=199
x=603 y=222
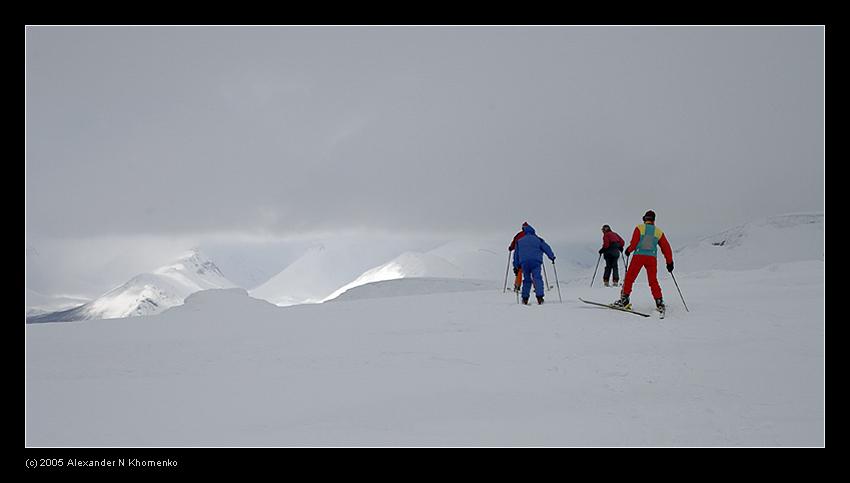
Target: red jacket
x=610 y=238
x=662 y=243
x=516 y=237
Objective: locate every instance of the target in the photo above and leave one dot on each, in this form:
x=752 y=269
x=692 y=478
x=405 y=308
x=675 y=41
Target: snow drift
x=404 y=287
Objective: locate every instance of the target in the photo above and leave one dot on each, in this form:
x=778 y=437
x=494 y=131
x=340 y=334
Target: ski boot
x=606 y=283
x=659 y=306
x=524 y=301
x=623 y=303
x=539 y=300
x=616 y=283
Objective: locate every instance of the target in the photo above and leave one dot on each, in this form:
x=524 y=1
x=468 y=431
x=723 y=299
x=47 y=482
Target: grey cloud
x=463 y=129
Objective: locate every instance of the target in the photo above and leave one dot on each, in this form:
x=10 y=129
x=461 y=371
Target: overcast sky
x=186 y=131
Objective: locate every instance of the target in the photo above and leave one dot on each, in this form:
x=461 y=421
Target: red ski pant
x=638 y=262
x=518 y=279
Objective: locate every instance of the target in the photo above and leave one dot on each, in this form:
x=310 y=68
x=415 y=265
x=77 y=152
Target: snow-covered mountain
x=775 y=239
x=309 y=278
x=324 y=268
x=148 y=293
x=406 y=265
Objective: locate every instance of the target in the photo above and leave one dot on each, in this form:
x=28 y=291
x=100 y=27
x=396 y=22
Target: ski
x=610 y=306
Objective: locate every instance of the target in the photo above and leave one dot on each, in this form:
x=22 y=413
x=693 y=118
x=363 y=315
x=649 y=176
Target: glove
x=516 y=271
x=628 y=253
x=553 y=259
x=621 y=249
x=670 y=267
x=601 y=251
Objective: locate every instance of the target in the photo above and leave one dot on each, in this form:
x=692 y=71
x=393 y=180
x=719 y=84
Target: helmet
x=649 y=216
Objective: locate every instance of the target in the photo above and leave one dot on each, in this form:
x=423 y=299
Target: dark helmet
x=606 y=228
x=649 y=216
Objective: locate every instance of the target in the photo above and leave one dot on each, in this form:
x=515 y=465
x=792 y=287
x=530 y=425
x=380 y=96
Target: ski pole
x=594 y=272
x=545 y=278
x=680 y=291
x=507 y=268
x=555 y=270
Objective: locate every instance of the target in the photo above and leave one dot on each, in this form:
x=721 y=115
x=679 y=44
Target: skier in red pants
x=645 y=242
x=512 y=247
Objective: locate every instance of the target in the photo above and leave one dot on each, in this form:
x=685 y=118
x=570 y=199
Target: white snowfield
x=436 y=362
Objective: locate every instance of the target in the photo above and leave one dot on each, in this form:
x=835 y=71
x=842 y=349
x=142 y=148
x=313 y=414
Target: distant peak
x=191 y=253
x=192 y=260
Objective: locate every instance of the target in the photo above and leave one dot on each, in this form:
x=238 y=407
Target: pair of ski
x=614 y=307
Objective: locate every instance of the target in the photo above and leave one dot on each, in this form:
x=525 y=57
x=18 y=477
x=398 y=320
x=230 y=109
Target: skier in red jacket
x=512 y=247
x=645 y=242
x=612 y=246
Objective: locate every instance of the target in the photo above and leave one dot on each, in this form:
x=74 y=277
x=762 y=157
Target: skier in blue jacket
x=529 y=256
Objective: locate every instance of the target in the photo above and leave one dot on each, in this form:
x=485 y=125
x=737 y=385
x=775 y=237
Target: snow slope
x=148 y=293
x=322 y=269
x=414 y=286
x=744 y=367
x=406 y=265
x=418 y=362
x=776 y=239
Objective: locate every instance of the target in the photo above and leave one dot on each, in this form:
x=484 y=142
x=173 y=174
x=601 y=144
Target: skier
x=645 y=242
x=528 y=256
x=512 y=247
x=612 y=246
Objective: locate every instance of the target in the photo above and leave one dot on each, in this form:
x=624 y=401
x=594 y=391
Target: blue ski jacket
x=531 y=248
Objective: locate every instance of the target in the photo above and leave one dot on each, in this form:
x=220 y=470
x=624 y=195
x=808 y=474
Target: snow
x=456 y=362
x=408 y=264
x=783 y=238
x=744 y=367
x=414 y=286
x=332 y=267
x=322 y=269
